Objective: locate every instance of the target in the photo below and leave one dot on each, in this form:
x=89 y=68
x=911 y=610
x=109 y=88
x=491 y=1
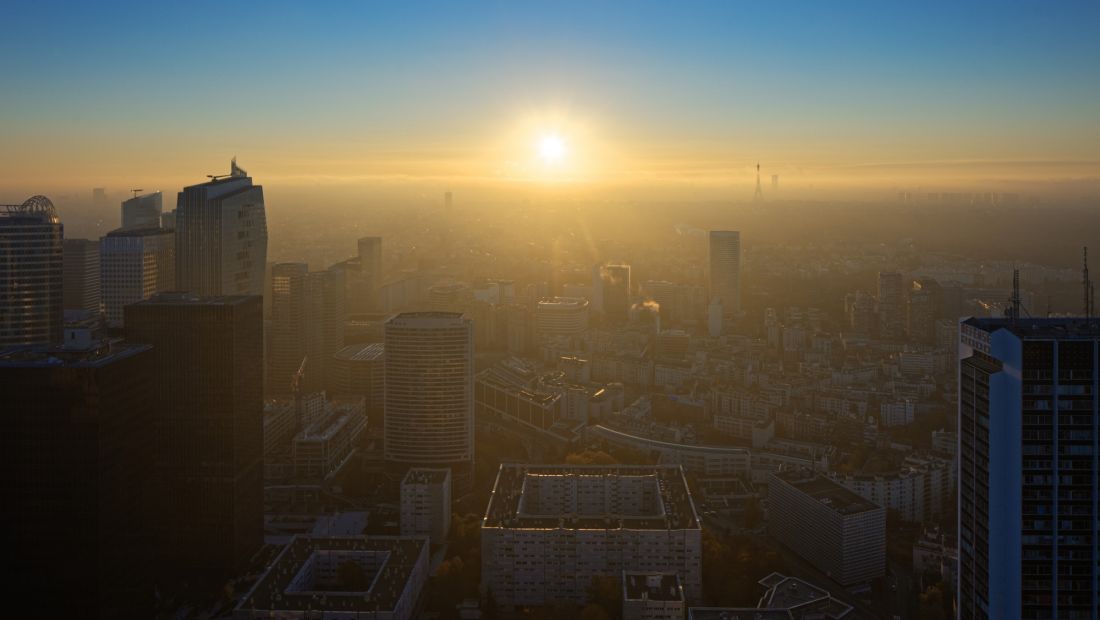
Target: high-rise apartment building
x=429 y=394
x=924 y=308
x=76 y=451
x=221 y=236
x=1028 y=474
x=615 y=285
x=891 y=305
x=307 y=322
x=209 y=412
x=142 y=211
x=80 y=279
x=135 y=263
x=724 y=269
x=31 y=273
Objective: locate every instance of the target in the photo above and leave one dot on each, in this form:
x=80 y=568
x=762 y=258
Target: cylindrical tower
x=31 y=251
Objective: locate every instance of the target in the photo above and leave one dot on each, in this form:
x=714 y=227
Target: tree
x=932 y=603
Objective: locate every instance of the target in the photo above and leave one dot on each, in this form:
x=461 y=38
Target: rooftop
x=176 y=298
x=1062 y=328
x=370 y=352
x=98 y=354
x=785 y=598
x=827 y=492
x=427 y=475
x=295 y=582
x=141 y=232
x=591 y=497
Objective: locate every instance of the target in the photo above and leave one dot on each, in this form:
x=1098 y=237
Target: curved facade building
x=429 y=393
x=561 y=316
x=31 y=252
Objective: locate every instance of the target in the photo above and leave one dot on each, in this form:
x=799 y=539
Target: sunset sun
x=551 y=148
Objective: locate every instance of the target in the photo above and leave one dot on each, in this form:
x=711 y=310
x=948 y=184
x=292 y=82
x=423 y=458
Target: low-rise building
x=426 y=503
x=652 y=596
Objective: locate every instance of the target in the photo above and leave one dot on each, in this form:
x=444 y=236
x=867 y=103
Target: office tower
x=561 y=316
x=99 y=197
x=307 y=323
x=859 y=310
x=842 y=534
x=775 y=182
x=426 y=503
x=221 y=236
x=724 y=269
x=1028 y=434
x=923 y=310
x=370 y=272
x=447 y=200
x=549 y=530
x=168 y=219
x=31 y=273
x=135 y=263
x=142 y=211
x=429 y=387
x=615 y=285
x=80 y=275
x=76 y=451
x=891 y=305
x=209 y=411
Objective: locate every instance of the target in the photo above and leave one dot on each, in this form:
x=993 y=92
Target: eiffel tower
x=759 y=195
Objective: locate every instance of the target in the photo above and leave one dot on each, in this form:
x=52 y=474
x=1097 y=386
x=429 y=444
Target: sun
x=551 y=148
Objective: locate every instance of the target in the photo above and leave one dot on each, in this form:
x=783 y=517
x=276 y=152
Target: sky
x=639 y=93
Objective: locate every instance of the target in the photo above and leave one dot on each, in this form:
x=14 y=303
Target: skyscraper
x=209 y=411
x=924 y=308
x=724 y=269
x=891 y=305
x=307 y=314
x=135 y=263
x=31 y=273
x=370 y=273
x=616 y=286
x=142 y=211
x=76 y=449
x=80 y=279
x=429 y=394
x=221 y=236
x=1028 y=433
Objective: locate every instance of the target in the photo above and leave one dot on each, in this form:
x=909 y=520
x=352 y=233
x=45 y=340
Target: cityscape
x=521 y=311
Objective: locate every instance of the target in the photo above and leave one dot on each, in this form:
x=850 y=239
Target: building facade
x=1028 y=430
x=724 y=269
x=80 y=279
x=221 y=236
x=31 y=273
x=135 y=264
x=143 y=211
x=426 y=504
x=429 y=394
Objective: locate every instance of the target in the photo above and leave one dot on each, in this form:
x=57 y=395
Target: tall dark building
x=924 y=308
x=142 y=211
x=1028 y=474
x=76 y=450
x=31 y=256
x=209 y=404
x=307 y=324
x=80 y=280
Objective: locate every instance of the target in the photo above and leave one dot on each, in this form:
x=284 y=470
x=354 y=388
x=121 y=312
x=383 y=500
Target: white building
x=831 y=527
x=919 y=491
x=897 y=413
x=135 y=264
x=549 y=530
x=426 y=503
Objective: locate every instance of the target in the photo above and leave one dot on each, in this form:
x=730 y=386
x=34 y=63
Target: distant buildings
x=363 y=277
x=426 y=503
x=836 y=530
x=561 y=316
x=135 y=263
x=221 y=236
x=208 y=379
x=429 y=394
x=724 y=269
x=142 y=211
x=549 y=530
x=323 y=447
x=1027 y=467
x=359 y=370
x=375 y=577
x=615 y=288
x=31 y=273
x=77 y=448
x=925 y=302
x=80 y=279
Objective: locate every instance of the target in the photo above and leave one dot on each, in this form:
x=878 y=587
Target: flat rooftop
x=427 y=475
x=174 y=298
x=828 y=492
x=370 y=352
x=591 y=497
x=97 y=355
x=294 y=583
x=1061 y=328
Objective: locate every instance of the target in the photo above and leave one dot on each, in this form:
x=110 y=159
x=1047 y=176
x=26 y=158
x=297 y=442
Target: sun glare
x=551 y=148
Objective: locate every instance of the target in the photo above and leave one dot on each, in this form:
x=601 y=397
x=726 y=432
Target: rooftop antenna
x=136 y=192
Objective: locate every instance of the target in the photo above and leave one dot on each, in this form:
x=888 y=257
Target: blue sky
x=807 y=83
